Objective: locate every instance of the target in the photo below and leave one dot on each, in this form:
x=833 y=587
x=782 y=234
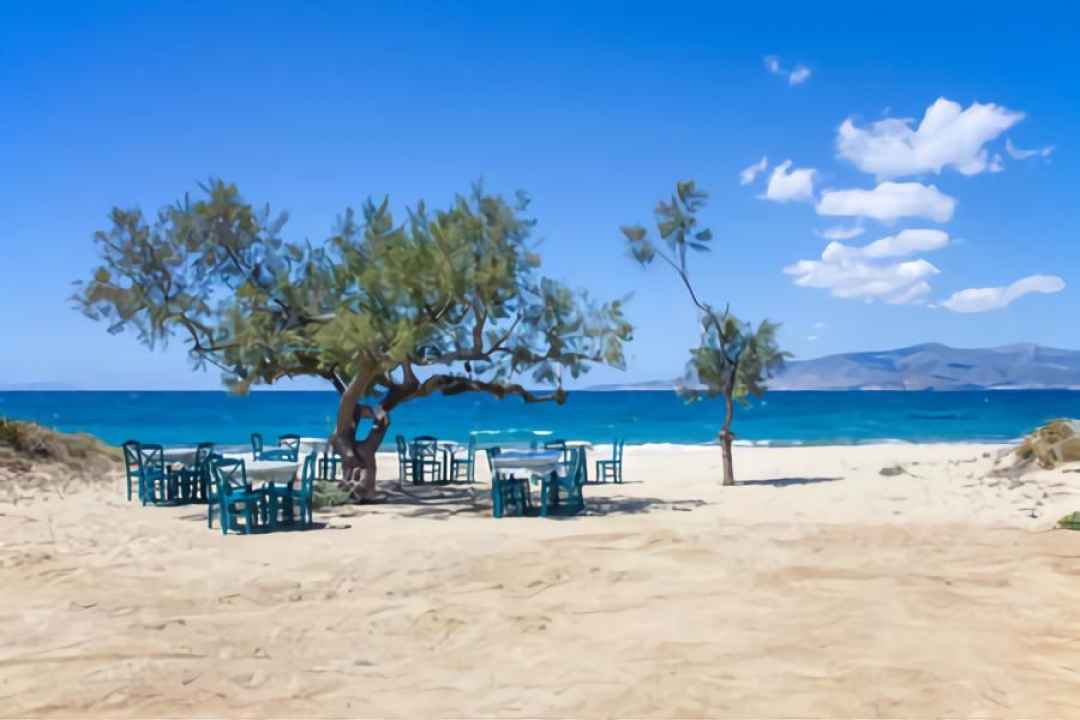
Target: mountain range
x=931 y=366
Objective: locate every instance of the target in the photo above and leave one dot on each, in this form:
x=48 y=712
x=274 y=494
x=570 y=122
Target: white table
x=534 y=462
x=317 y=445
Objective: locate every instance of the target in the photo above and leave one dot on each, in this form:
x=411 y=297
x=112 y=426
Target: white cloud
x=798 y=76
x=748 y=174
x=997 y=164
x=889 y=201
x=864 y=273
x=795 y=185
x=947 y=136
x=839 y=232
x=812 y=338
x=1018 y=154
x=975 y=300
x=902 y=244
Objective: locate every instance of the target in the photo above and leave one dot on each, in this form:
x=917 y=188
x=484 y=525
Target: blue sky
x=596 y=112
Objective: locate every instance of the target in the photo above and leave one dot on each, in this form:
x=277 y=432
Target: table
x=535 y=462
x=308 y=445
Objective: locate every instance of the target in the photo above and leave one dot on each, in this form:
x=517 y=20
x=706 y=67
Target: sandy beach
x=817 y=588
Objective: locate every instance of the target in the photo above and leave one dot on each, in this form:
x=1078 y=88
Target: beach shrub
x=385 y=312
x=24 y=445
x=734 y=359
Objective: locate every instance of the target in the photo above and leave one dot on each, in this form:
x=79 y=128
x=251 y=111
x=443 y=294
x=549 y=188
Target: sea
x=638 y=417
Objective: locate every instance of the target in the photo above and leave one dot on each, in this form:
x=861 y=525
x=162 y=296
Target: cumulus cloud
x=798 y=76
x=785 y=186
x=748 y=174
x=888 y=202
x=871 y=272
x=975 y=300
x=840 y=232
x=1018 y=154
x=947 y=136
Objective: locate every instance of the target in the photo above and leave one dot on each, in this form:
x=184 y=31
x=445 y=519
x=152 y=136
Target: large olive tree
x=447 y=302
x=734 y=359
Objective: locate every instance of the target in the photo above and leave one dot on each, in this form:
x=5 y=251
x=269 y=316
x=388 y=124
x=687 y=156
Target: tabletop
x=540 y=462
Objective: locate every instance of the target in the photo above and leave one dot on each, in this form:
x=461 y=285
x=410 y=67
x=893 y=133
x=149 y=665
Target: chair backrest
x=616 y=451
x=425 y=446
x=132 y=457
x=471 y=455
x=307 y=474
x=492 y=453
x=402 y=448
x=256 y=445
x=291 y=441
x=576 y=467
x=202 y=453
x=152 y=457
x=559 y=445
x=228 y=474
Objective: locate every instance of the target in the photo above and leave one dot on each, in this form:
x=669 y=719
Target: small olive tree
x=447 y=302
x=734 y=359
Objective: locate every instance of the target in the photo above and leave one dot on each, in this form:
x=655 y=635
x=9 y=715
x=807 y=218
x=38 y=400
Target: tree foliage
x=734 y=359
x=447 y=301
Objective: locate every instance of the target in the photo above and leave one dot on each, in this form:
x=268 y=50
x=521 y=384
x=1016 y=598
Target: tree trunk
x=357 y=456
x=726 y=436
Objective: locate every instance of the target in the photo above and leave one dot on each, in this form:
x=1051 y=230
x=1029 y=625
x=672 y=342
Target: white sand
x=817 y=588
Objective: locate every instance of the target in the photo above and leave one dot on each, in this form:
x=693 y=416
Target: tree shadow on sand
x=786 y=482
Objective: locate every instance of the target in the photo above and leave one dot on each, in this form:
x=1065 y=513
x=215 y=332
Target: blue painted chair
x=405 y=466
x=132 y=467
x=425 y=459
x=567 y=453
x=611 y=469
x=236 y=499
x=194 y=477
x=465 y=464
x=288 y=505
x=509 y=494
x=158 y=484
x=284 y=454
x=328 y=464
x=561 y=492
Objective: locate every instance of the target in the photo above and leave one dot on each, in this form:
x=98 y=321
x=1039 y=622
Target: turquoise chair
x=287 y=453
x=194 y=477
x=158 y=485
x=405 y=466
x=425 y=459
x=288 y=505
x=561 y=493
x=509 y=495
x=612 y=468
x=567 y=453
x=466 y=464
x=132 y=467
x=328 y=464
x=236 y=498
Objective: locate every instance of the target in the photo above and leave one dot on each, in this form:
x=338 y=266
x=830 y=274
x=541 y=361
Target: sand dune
x=818 y=588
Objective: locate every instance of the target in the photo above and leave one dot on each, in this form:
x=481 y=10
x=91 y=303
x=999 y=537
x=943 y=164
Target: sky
x=877 y=178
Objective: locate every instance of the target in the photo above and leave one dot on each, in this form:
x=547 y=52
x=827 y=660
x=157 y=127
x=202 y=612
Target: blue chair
x=405 y=466
x=561 y=492
x=194 y=477
x=158 y=485
x=566 y=452
x=425 y=459
x=328 y=464
x=236 y=498
x=132 y=467
x=612 y=468
x=466 y=464
x=509 y=494
x=288 y=505
x=286 y=453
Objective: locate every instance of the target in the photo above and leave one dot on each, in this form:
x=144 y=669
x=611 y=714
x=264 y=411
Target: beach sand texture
x=817 y=588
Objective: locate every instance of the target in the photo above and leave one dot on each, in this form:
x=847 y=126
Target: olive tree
x=734 y=358
x=446 y=302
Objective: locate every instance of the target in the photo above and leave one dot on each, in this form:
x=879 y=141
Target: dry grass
x=34 y=456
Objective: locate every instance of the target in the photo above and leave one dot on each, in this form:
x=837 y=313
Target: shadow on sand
x=786 y=482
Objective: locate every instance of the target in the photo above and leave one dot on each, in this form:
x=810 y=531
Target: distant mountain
x=931 y=366
x=36 y=386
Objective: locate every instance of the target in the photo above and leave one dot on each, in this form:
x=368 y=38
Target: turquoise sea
x=781 y=418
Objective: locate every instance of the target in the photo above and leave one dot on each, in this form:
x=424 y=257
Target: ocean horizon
x=791 y=417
